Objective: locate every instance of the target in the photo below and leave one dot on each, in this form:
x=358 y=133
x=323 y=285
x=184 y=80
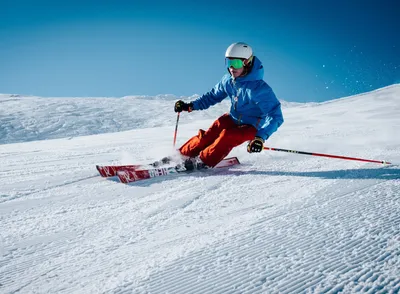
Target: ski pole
x=326 y=155
x=176 y=128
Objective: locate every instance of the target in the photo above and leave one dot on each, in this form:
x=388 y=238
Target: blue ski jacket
x=253 y=101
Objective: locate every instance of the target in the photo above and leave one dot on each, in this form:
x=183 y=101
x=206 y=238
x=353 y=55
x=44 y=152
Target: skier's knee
x=227 y=133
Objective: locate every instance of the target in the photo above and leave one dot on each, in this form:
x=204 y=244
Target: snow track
x=346 y=239
x=277 y=223
x=326 y=248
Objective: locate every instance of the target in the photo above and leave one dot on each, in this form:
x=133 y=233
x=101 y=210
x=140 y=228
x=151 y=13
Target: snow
x=277 y=223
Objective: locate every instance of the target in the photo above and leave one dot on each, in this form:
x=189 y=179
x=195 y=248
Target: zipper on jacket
x=237 y=95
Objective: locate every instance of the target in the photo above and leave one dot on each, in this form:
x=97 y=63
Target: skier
x=254 y=115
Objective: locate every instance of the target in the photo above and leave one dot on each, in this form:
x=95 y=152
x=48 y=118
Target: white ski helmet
x=239 y=50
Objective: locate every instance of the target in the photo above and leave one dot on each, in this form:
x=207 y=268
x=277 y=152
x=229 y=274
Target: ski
x=131 y=175
x=111 y=170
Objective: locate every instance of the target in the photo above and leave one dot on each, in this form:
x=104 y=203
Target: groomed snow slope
x=278 y=223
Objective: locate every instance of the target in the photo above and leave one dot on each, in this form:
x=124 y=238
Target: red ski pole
x=176 y=128
x=326 y=155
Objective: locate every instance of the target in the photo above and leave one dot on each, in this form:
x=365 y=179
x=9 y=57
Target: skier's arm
x=273 y=118
x=216 y=95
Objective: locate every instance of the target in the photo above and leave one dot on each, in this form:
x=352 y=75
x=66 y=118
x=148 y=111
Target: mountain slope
x=278 y=223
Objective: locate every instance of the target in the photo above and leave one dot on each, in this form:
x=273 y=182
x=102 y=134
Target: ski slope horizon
x=74 y=116
x=80 y=116
x=277 y=223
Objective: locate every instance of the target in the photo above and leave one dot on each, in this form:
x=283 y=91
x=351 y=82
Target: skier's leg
x=227 y=140
x=203 y=139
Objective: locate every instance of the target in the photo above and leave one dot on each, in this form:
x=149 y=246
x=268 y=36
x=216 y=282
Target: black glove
x=256 y=145
x=182 y=106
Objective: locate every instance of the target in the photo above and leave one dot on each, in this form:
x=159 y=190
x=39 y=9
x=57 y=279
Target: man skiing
x=254 y=115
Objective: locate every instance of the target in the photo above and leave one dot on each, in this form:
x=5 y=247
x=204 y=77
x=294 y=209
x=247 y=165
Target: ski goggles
x=235 y=63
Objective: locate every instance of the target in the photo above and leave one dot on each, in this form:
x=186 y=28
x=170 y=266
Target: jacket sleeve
x=272 y=114
x=216 y=95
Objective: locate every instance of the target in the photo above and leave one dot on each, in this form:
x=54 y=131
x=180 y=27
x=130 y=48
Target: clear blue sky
x=311 y=50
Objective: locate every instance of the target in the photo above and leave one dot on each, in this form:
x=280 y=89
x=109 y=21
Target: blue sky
x=311 y=50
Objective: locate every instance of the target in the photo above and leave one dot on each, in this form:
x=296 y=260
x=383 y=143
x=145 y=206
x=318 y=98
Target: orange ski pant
x=215 y=144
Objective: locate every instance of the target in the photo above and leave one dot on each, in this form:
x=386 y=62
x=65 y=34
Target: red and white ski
x=131 y=175
x=111 y=170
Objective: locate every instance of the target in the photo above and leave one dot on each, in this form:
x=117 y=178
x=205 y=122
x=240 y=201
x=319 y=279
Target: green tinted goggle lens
x=235 y=63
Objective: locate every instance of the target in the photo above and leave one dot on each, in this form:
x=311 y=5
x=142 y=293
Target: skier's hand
x=256 y=145
x=182 y=106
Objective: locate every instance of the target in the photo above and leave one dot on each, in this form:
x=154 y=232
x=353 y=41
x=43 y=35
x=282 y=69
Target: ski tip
x=233 y=159
x=100 y=170
x=105 y=171
x=230 y=161
x=123 y=177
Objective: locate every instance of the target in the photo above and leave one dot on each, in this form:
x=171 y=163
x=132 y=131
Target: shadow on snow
x=358 y=174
